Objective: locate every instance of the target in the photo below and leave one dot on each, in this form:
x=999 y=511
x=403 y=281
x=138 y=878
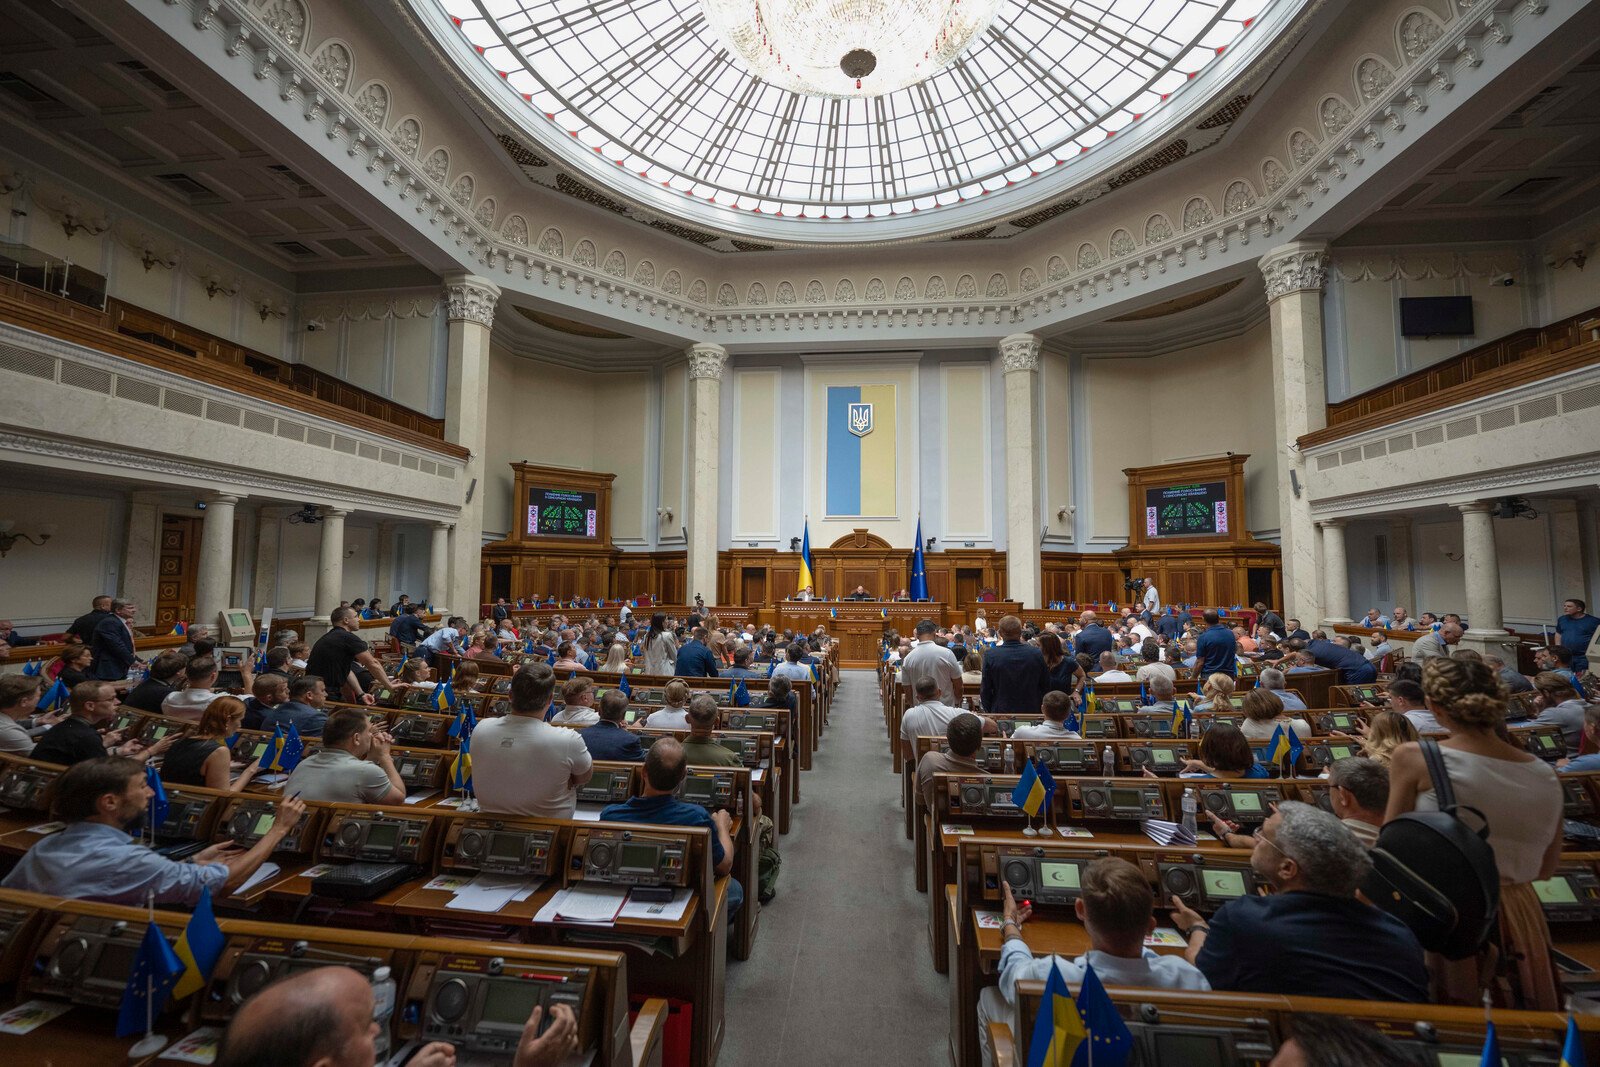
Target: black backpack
x=1436 y=874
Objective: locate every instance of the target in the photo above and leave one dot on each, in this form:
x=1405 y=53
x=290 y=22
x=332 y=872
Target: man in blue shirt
x=1015 y=678
x=1216 y=649
x=1353 y=667
x=407 y=628
x=741 y=665
x=608 y=739
x=305 y=709
x=695 y=659
x=100 y=800
x=1574 y=630
x=664 y=770
x=1312 y=937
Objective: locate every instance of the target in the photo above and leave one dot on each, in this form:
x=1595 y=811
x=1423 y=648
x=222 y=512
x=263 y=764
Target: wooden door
x=180 y=548
x=968 y=582
x=753 y=586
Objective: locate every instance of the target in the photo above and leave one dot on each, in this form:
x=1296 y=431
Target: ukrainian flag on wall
x=861 y=450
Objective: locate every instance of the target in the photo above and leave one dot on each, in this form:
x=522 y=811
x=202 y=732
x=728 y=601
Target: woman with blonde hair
x=1385 y=732
x=1216 y=694
x=202 y=758
x=616 y=659
x=1520 y=799
x=674 y=711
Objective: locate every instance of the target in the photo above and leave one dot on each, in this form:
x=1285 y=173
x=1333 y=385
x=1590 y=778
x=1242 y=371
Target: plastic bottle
x=1191 y=806
x=383 y=997
x=1108 y=761
x=1008 y=759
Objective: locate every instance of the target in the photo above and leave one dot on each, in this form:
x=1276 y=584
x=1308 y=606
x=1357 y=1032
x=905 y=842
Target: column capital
x=1473 y=507
x=706 y=360
x=441 y=525
x=1299 y=266
x=1333 y=524
x=1019 y=352
x=330 y=511
x=224 y=498
x=469 y=298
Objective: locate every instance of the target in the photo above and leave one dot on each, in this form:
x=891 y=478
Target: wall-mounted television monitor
x=561 y=513
x=1436 y=316
x=1197 y=509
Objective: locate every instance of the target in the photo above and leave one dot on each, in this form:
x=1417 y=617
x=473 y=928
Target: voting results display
x=1194 y=510
x=562 y=513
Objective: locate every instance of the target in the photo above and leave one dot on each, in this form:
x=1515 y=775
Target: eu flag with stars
x=739 y=694
x=626 y=689
x=465 y=722
x=157 y=811
x=1109 y=1042
x=1282 y=743
x=918 y=590
x=155 y=971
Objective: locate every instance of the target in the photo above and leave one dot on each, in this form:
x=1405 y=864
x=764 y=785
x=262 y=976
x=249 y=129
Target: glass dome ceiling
x=645 y=97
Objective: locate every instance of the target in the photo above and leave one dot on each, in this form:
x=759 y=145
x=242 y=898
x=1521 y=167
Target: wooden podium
x=858 y=625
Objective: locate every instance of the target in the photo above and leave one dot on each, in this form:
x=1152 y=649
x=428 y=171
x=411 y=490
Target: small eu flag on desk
x=155 y=971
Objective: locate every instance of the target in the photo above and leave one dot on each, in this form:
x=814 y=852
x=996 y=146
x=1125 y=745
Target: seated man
x=1312 y=936
x=1272 y=678
x=664 y=769
x=266 y=693
x=608 y=739
x=743 y=656
x=19 y=698
x=781 y=694
x=1057 y=707
x=1116 y=912
x=1515 y=680
x=1302 y=662
x=1110 y=671
x=1358 y=789
x=792 y=666
x=521 y=765
x=1591 y=731
x=323 y=1018
x=1163 y=700
x=77 y=737
x=353 y=766
x=700 y=749
x=162 y=681
x=965 y=735
x=928 y=717
x=1406 y=697
x=577 y=703
x=94 y=858
x=197 y=693
x=277 y=662
x=303 y=707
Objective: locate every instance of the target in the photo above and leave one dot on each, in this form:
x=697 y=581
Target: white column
x=1336 y=575
x=1019 y=360
x=1402 y=582
x=141 y=557
x=269 y=555
x=1566 y=549
x=439 y=572
x=330 y=564
x=1480 y=564
x=383 y=581
x=469 y=304
x=1295 y=274
x=704 y=498
x=214 y=571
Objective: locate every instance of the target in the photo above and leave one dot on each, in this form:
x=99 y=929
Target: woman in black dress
x=202 y=758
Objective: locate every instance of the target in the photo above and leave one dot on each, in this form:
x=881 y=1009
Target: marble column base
x=1490 y=643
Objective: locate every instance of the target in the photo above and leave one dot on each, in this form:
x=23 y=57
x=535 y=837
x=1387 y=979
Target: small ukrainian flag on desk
x=1029 y=795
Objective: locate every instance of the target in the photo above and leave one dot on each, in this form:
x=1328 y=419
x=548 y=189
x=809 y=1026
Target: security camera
x=1503 y=279
x=314 y=325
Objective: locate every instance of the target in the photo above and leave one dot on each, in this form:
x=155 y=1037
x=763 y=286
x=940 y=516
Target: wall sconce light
x=214 y=286
x=1577 y=257
x=1453 y=557
x=9 y=535
x=266 y=309
x=664 y=513
x=73 y=224
x=150 y=258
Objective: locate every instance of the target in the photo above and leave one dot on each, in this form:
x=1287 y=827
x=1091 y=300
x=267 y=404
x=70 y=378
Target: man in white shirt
x=1138 y=630
x=190 y=702
x=577 y=704
x=1057 y=705
x=1153 y=667
x=1115 y=909
x=1152 y=599
x=1109 y=671
x=521 y=765
x=1406 y=698
x=1377 y=647
x=932 y=660
x=927 y=718
x=353 y=766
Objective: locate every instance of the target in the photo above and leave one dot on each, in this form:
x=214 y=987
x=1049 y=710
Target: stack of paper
x=592 y=905
x=265 y=871
x=491 y=892
x=657 y=910
x=1168 y=833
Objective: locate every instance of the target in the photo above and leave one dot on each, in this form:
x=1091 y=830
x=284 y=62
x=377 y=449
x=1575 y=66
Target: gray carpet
x=841 y=972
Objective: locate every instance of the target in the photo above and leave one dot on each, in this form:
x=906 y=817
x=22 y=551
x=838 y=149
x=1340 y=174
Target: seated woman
x=1263 y=714
x=416 y=674
x=202 y=757
x=73 y=666
x=1217 y=693
x=972 y=669
x=467 y=677
x=1224 y=753
x=674 y=712
x=1384 y=732
x=616 y=661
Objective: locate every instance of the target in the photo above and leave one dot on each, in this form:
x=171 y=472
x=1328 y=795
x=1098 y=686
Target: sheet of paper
x=547 y=914
x=1073 y=831
x=1164 y=937
x=265 y=871
x=528 y=890
x=47 y=828
x=421 y=795
x=956 y=828
x=486 y=893
x=988 y=920
x=28 y=1017
x=587 y=814
x=657 y=911
x=758 y=774
x=596 y=904
x=198 y=1047
x=449 y=882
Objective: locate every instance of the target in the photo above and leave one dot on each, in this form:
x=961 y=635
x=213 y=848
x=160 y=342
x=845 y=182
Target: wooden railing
x=1516 y=359
x=155 y=340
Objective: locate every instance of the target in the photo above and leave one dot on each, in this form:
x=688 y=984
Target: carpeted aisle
x=841 y=973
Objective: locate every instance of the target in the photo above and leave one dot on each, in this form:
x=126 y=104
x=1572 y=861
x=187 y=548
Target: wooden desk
x=858 y=625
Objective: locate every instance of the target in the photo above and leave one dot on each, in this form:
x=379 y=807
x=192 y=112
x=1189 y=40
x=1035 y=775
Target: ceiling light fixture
x=848 y=47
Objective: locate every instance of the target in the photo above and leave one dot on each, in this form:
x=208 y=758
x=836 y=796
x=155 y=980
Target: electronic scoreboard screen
x=1186 y=510
x=561 y=513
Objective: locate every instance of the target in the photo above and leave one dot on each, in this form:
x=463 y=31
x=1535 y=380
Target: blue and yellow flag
x=461 y=766
x=155 y=971
x=1058 y=1028
x=54 y=698
x=444 y=696
x=1091 y=703
x=1046 y=779
x=1181 y=719
x=465 y=722
x=1029 y=795
x=283 y=750
x=860 y=475
x=273 y=752
x=199 y=948
x=1282 y=743
x=1572 y=1050
x=806 y=574
x=739 y=694
x=32 y=668
x=180 y=629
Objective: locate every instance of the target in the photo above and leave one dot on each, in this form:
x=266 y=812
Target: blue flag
x=1282 y=743
x=550 y=657
x=1047 y=779
x=1491 y=1048
x=31 y=669
x=1572 y=1050
x=199 y=948
x=294 y=749
x=739 y=694
x=261 y=663
x=1072 y=723
x=465 y=722
x=155 y=971
x=157 y=810
x=626 y=689
x=55 y=697
x=1058 y=1029
x=771 y=667
x=444 y=697
x=1106 y=1034
x=918 y=590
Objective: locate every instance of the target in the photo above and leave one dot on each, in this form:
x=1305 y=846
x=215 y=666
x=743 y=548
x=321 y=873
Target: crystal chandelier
x=848 y=47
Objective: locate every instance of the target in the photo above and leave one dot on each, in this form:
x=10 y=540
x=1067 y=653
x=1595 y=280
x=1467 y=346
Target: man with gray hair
x=1272 y=678
x=1311 y=937
x=1440 y=642
x=1358 y=790
x=1515 y=680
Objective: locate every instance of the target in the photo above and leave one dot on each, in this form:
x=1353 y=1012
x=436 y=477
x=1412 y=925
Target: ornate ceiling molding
x=1357 y=120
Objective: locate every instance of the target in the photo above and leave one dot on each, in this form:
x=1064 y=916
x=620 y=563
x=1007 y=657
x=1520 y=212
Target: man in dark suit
x=859 y=593
x=82 y=628
x=608 y=739
x=695 y=659
x=1092 y=640
x=1015 y=678
x=112 y=643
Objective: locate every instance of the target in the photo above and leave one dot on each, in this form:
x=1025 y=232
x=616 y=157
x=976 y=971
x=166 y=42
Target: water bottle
x=966 y=703
x=383 y=996
x=1108 y=761
x=1008 y=759
x=1191 y=805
